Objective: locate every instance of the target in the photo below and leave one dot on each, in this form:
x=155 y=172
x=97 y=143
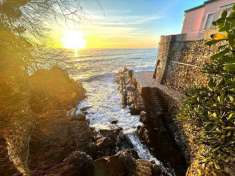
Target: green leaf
x=231 y=116
x=220 y=54
x=229 y=67
x=213 y=105
x=229 y=60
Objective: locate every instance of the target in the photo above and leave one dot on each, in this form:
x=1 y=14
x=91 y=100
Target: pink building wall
x=195 y=19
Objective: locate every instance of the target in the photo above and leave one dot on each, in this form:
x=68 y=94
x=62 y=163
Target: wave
x=110 y=54
x=98 y=59
x=98 y=77
x=102 y=76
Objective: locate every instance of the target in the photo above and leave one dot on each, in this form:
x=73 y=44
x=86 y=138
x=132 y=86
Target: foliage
x=30 y=16
x=212 y=108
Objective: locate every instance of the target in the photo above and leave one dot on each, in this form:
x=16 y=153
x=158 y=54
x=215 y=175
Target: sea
x=96 y=69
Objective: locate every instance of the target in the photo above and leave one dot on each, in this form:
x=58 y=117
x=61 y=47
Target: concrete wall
x=180 y=62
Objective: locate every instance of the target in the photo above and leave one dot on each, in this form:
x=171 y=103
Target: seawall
x=179 y=62
x=160 y=94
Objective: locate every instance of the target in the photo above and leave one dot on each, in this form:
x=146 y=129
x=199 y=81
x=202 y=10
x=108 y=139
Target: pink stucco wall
x=192 y=23
x=194 y=20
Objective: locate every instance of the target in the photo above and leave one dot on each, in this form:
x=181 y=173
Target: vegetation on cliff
x=212 y=107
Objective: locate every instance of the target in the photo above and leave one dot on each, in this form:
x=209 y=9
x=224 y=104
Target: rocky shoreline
x=61 y=141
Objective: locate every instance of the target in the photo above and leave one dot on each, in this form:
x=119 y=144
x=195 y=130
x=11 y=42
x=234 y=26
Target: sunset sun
x=73 y=40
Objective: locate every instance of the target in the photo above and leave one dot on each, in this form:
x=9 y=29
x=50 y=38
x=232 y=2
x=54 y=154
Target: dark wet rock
x=110 y=141
x=134 y=110
x=114 y=122
x=113 y=133
x=85 y=109
x=56 y=138
x=156 y=170
x=121 y=164
x=126 y=163
x=106 y=146
x=76 y=164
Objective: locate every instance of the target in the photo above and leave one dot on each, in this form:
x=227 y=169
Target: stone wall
x=180 y=62
x=164 y=54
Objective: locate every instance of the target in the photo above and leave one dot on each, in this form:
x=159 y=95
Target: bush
x=212 y=107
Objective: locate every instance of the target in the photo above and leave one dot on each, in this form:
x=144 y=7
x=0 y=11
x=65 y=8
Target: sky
x=130 y=23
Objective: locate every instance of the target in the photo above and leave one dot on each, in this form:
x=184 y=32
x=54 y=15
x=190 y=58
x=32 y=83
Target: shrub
x=212 y=107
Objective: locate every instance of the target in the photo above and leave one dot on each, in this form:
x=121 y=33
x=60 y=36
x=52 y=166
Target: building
x=198 y=20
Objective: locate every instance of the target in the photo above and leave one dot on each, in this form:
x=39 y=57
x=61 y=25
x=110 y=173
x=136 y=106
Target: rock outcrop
x=53 y=89
x=54 y=139
x=125 y=163
x=110 y=141
x=130 y=94
x=35 y=118
x=76 y=164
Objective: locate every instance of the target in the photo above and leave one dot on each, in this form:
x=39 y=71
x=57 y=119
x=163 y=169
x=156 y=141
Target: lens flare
x=73 y=40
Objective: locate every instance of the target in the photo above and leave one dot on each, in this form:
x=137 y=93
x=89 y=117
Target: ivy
x=212 y=107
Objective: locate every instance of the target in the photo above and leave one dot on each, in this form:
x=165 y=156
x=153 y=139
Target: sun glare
x=73 y=40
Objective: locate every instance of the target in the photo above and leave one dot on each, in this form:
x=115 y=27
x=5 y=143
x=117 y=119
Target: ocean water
x=96 y=69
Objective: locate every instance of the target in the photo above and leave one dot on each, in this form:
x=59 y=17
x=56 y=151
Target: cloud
x=114 y=28
x=124 y=20
x=118 y=23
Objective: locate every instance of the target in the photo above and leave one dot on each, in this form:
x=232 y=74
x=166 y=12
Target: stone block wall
x=164 y=54
x=180 y=62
